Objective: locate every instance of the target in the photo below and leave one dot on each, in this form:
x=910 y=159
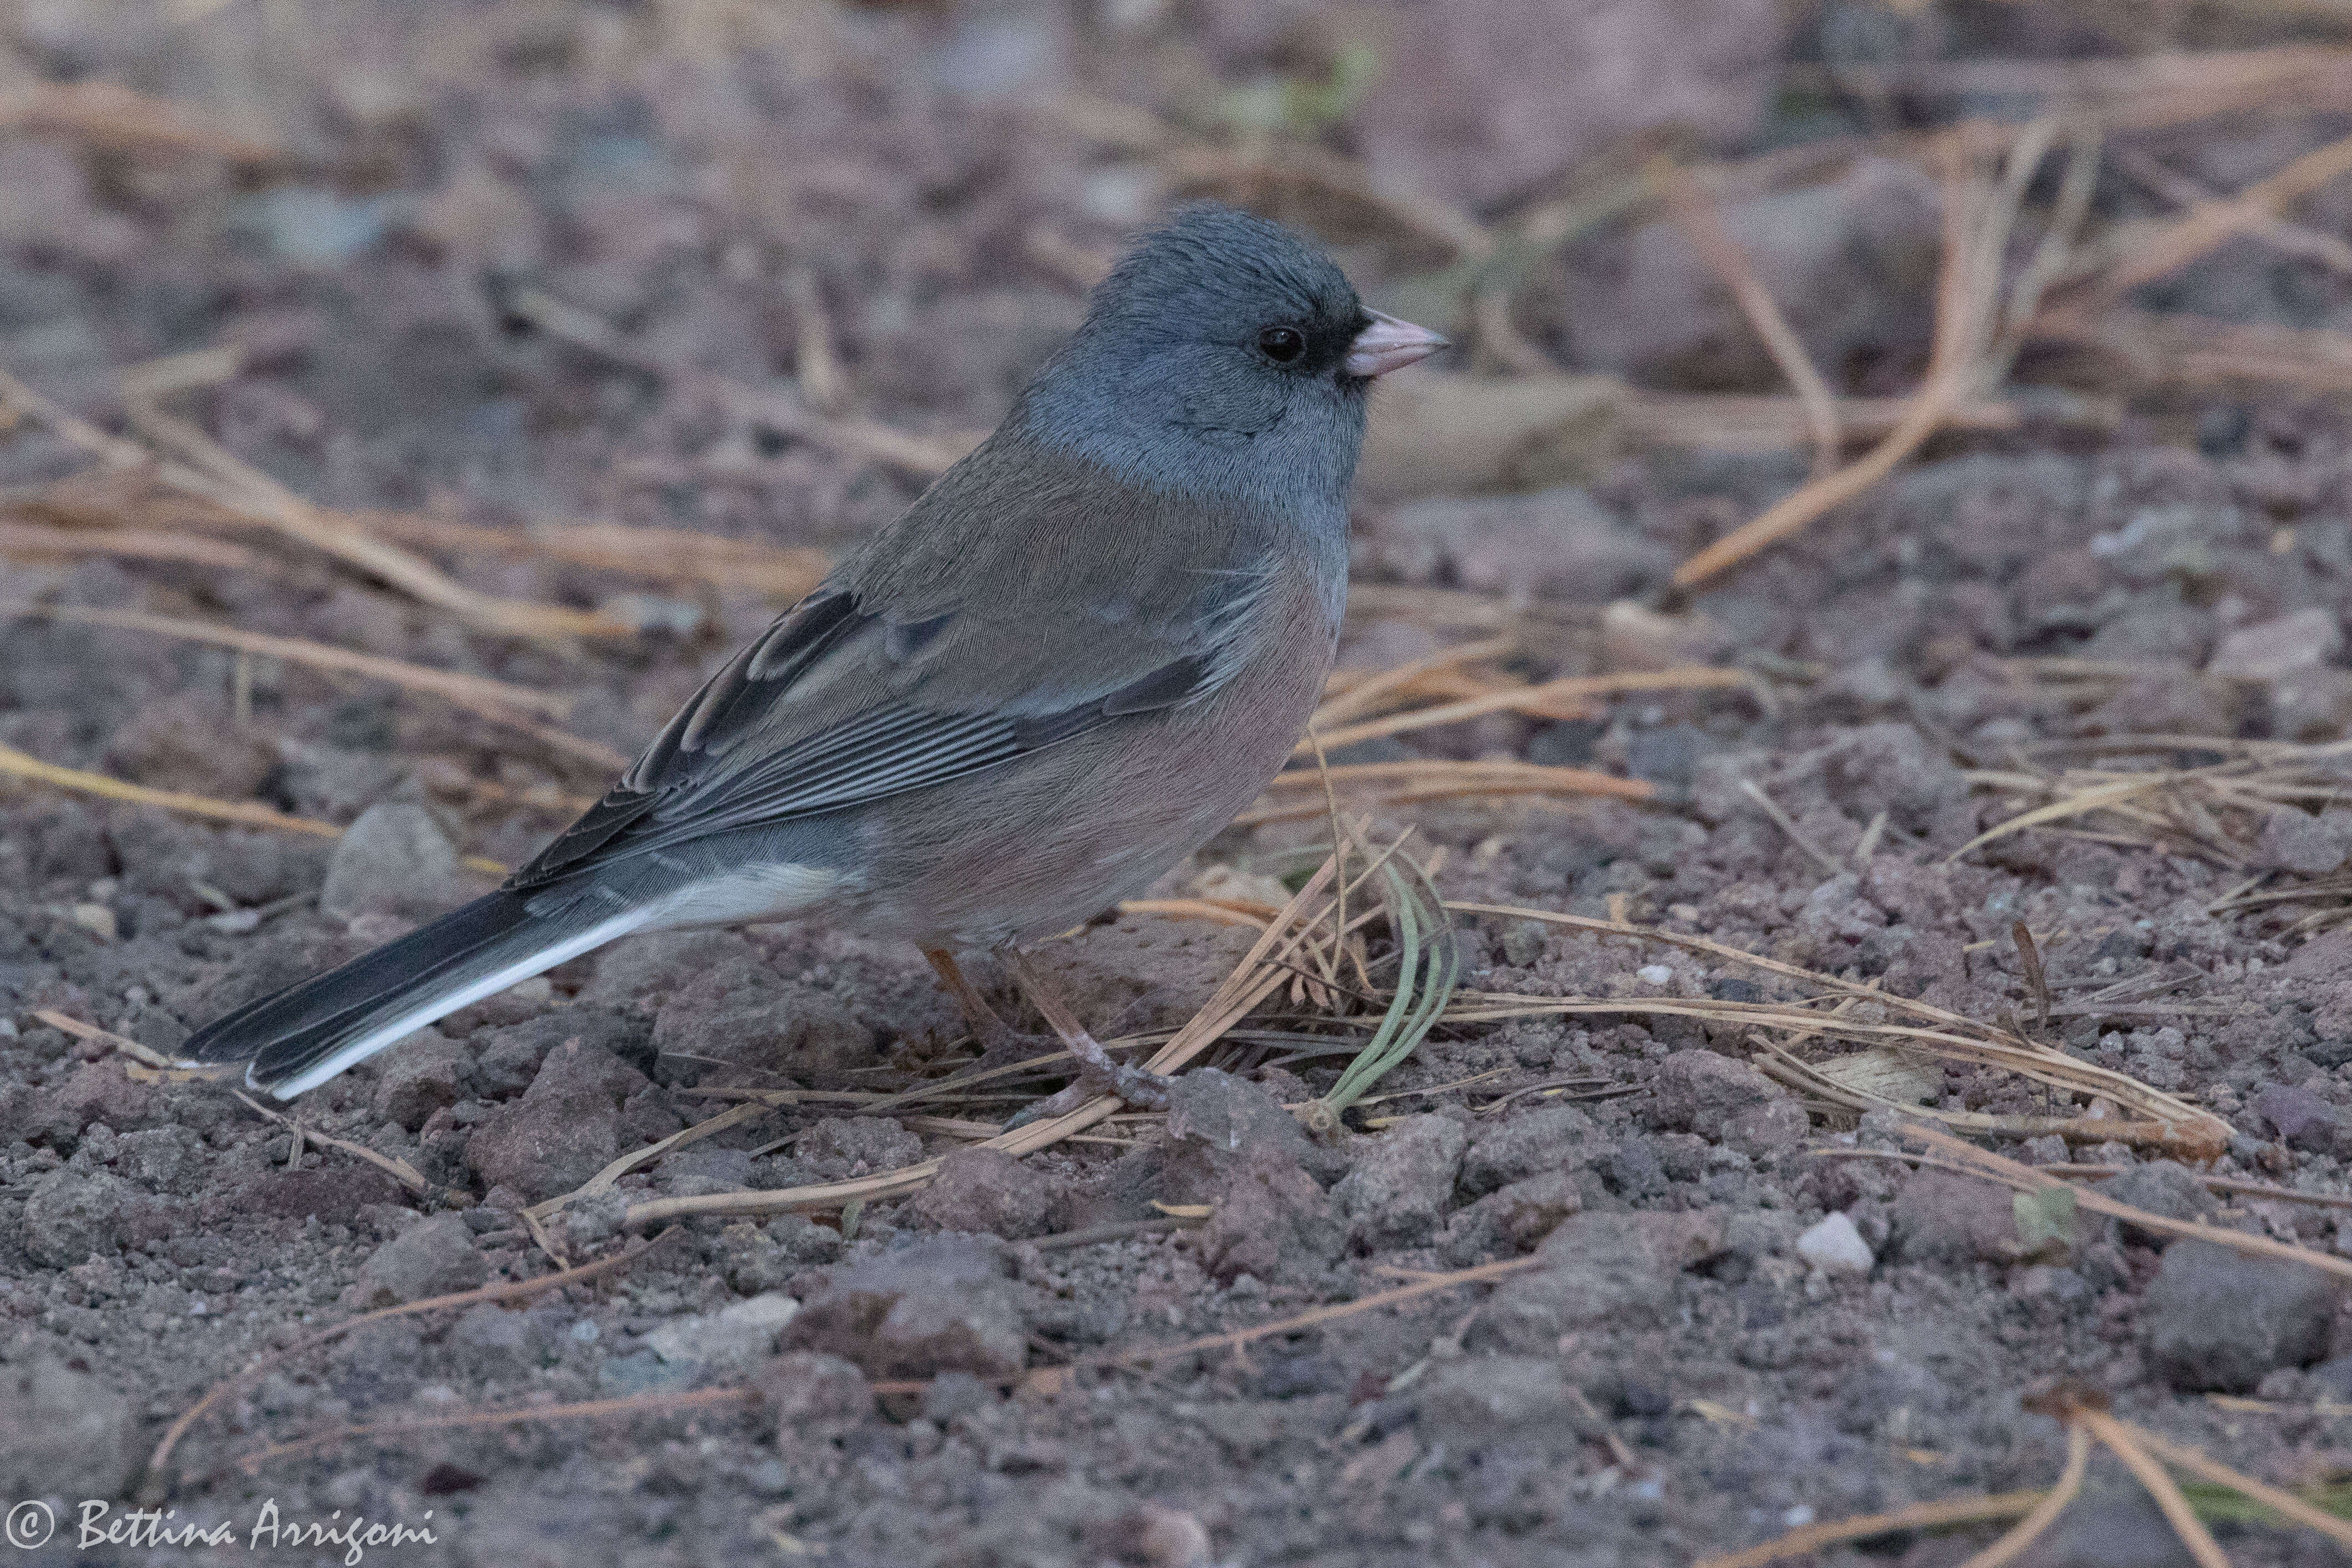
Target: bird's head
x=1223 y=353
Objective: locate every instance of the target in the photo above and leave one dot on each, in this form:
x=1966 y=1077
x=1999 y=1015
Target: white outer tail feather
x=440 y=1008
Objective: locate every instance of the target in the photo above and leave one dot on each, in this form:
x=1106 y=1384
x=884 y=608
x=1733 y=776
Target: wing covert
x=826 y=710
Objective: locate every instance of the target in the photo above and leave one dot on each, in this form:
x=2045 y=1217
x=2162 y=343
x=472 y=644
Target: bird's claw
x=1133 y=1085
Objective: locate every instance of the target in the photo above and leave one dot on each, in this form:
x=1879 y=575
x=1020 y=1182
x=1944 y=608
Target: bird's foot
x=1002 y=1046
x=1144 y=1090
x=1097 y=1074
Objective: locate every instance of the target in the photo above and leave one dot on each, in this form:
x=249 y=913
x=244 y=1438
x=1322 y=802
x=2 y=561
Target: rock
x=2295 y=840
x=2161 y=1187
x=940 y=1305
x=331 y=1193
x=2062 y=1287
x=1682 y=1156
x=1156 y=1536
x=1836 y=256
x=162 y=1159
x=953 y=1395
x=1871 y=685
x=2314 y=704
x=854 y=1145
x=1476 y=1399
x=1546 y=1138
x=2331 y=1380
x=810 y=1393
x=2214 y=1320
x=432 y=1258
x=184 y=742
x=1519 y=1215
x=1940 y=1218
x=1233 y=1147
x=1265 y=1212
x=1634 y=636
x=594 y=1220
x=2304 y=641
x=506 y=1058
x=733 y=1339
x=1750 y=1235
x=989 y=1190
x=1490 y=102
x=395 y=860
x=63 y=1433
x=1559 y=544
x=71 y=1214
x=1700 y=1091
x=22 y=1112
x=2301 y=1118
x=1765 y=1129
x=1267 y=1218
x=1617 y=1270
x=802 y=1240
x=504 y=1344
x=1397 y=1193
x=99 y=1092
x=566 y=1127
x=1222 y=1113
x=697 y=1172
x=1567 y=743
x=421 y=1075
x=642 y=1372
x=2155 y=630
x=1667 y=755
x=1633 y=1167
x=1834 y=1246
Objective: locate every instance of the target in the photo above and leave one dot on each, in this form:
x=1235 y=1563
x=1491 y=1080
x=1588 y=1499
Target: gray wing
x=838 y=704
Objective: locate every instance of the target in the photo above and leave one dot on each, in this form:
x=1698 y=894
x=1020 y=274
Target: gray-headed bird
x=1066 y=666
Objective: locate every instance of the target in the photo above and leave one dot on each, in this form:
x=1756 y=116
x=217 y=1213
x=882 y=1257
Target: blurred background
x=1872 y=421
x=757 y=269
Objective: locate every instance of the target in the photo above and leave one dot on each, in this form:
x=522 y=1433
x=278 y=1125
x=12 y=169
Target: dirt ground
x=750 y=272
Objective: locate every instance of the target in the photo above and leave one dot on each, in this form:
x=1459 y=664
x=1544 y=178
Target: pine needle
x=1429 y=964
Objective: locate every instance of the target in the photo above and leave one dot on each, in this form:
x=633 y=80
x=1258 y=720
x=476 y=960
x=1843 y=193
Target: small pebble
x=1655 y=974
x=1834 y=1246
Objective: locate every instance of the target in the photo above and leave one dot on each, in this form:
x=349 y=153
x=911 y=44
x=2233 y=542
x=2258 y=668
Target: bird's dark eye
x=1281 y=344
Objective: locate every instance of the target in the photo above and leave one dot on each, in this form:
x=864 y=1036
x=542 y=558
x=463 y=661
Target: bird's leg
x=980 y=1018
x=1000 y=1045
x=1097 y=1074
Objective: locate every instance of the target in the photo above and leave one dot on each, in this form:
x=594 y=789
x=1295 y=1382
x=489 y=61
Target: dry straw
x=1896 y=1034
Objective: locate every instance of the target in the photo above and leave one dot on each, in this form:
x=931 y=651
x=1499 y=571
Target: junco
x=1061 y=670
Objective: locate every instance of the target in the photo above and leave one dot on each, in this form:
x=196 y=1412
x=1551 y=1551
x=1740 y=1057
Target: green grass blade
x=1429 y=966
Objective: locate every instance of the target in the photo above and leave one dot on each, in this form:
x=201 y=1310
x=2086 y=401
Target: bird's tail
x=299 y=1038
